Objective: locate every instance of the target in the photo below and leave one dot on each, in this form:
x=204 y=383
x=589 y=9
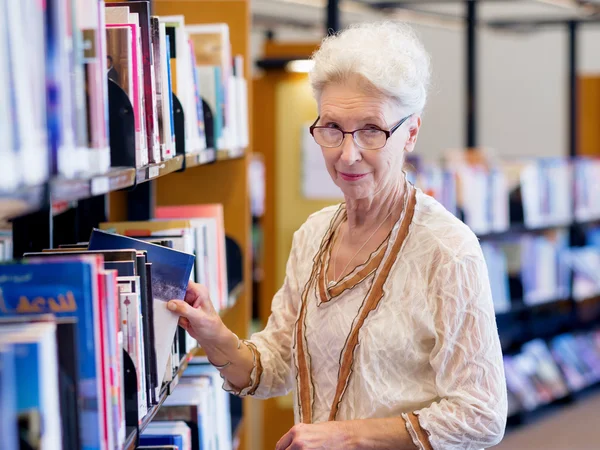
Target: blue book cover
x=8 y=405
x=170 y=273
x=165 y=439
x=64 y=289
x=170 y=103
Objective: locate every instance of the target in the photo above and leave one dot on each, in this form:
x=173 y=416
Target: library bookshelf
x=65 y=210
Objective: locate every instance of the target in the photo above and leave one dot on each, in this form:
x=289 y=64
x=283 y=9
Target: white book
x=24 y=29
x=499 y=198
x=134 y=19
x=185 y=83
x=241 y=107
x=207 y=243
x=132 y=328
x=10 y=175
x=218 y=35
x=208 y=91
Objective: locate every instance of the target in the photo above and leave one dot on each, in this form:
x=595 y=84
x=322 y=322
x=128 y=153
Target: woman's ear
x=414 y=125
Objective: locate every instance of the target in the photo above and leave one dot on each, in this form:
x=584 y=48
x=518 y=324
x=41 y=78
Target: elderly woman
x=384 y=327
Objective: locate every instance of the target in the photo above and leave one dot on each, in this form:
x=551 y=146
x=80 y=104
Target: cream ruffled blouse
x=412 y=330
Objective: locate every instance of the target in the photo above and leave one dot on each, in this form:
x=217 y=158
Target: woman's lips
x=352 y=176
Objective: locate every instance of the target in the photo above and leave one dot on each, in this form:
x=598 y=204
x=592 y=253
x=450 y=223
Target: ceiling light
x=300 y=65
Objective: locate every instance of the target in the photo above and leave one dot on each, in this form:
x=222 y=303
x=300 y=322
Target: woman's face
x=357 y=172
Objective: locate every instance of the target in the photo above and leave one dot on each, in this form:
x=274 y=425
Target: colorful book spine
x=170 y=92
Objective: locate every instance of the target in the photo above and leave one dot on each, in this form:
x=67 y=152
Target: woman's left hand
x=320 y=436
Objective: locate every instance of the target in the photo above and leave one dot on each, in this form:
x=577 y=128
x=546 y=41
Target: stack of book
x=578 y=356
x=196 y=229
x=545 y=272
x=490 y=194
x=57 y=60
x=199 y=401
x=103 y=307
x=474 y=189
x=533 y=378
x=153 y=57
x=544 y=372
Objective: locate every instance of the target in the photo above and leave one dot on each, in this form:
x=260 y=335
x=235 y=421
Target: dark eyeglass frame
x=388 y=133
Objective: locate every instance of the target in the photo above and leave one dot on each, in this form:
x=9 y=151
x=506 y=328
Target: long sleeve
x=466 y=358
x=272 y=347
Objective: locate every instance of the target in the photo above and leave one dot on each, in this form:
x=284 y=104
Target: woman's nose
x=350 y=152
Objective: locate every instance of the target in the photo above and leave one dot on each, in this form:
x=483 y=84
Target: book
x=65 y=156
x=210 y=216
x=10 y=173
x=218 y=400
x=171 y=432
x=170 y=276
x=36 y=372
x=33 y=135
x=212 y=47
x=192 y=401
x=208 y=79
x=132 y=328
x=88 y=18
x=114 y=344
x=152 y=385
x=182 y=79
x=497 y=266
x=142 y=9
x=8 y=402
x=169 y=90
x=65 y=286
x=161 y=87
x=136 y=93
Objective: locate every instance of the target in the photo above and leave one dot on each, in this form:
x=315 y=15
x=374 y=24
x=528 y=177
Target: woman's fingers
x=182 y=308
x=196 y=295
x=184 y=323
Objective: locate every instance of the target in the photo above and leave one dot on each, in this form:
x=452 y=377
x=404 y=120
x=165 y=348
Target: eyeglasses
x=365 y=138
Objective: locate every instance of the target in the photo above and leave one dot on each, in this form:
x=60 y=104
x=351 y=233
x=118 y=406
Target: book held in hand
x=171 y=271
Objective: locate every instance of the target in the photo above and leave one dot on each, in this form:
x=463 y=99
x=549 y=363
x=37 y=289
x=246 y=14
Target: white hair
x=389 y=55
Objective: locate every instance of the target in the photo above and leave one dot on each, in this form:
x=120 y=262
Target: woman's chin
x=356 y=192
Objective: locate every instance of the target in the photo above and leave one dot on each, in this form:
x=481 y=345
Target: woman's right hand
x=199 y=317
